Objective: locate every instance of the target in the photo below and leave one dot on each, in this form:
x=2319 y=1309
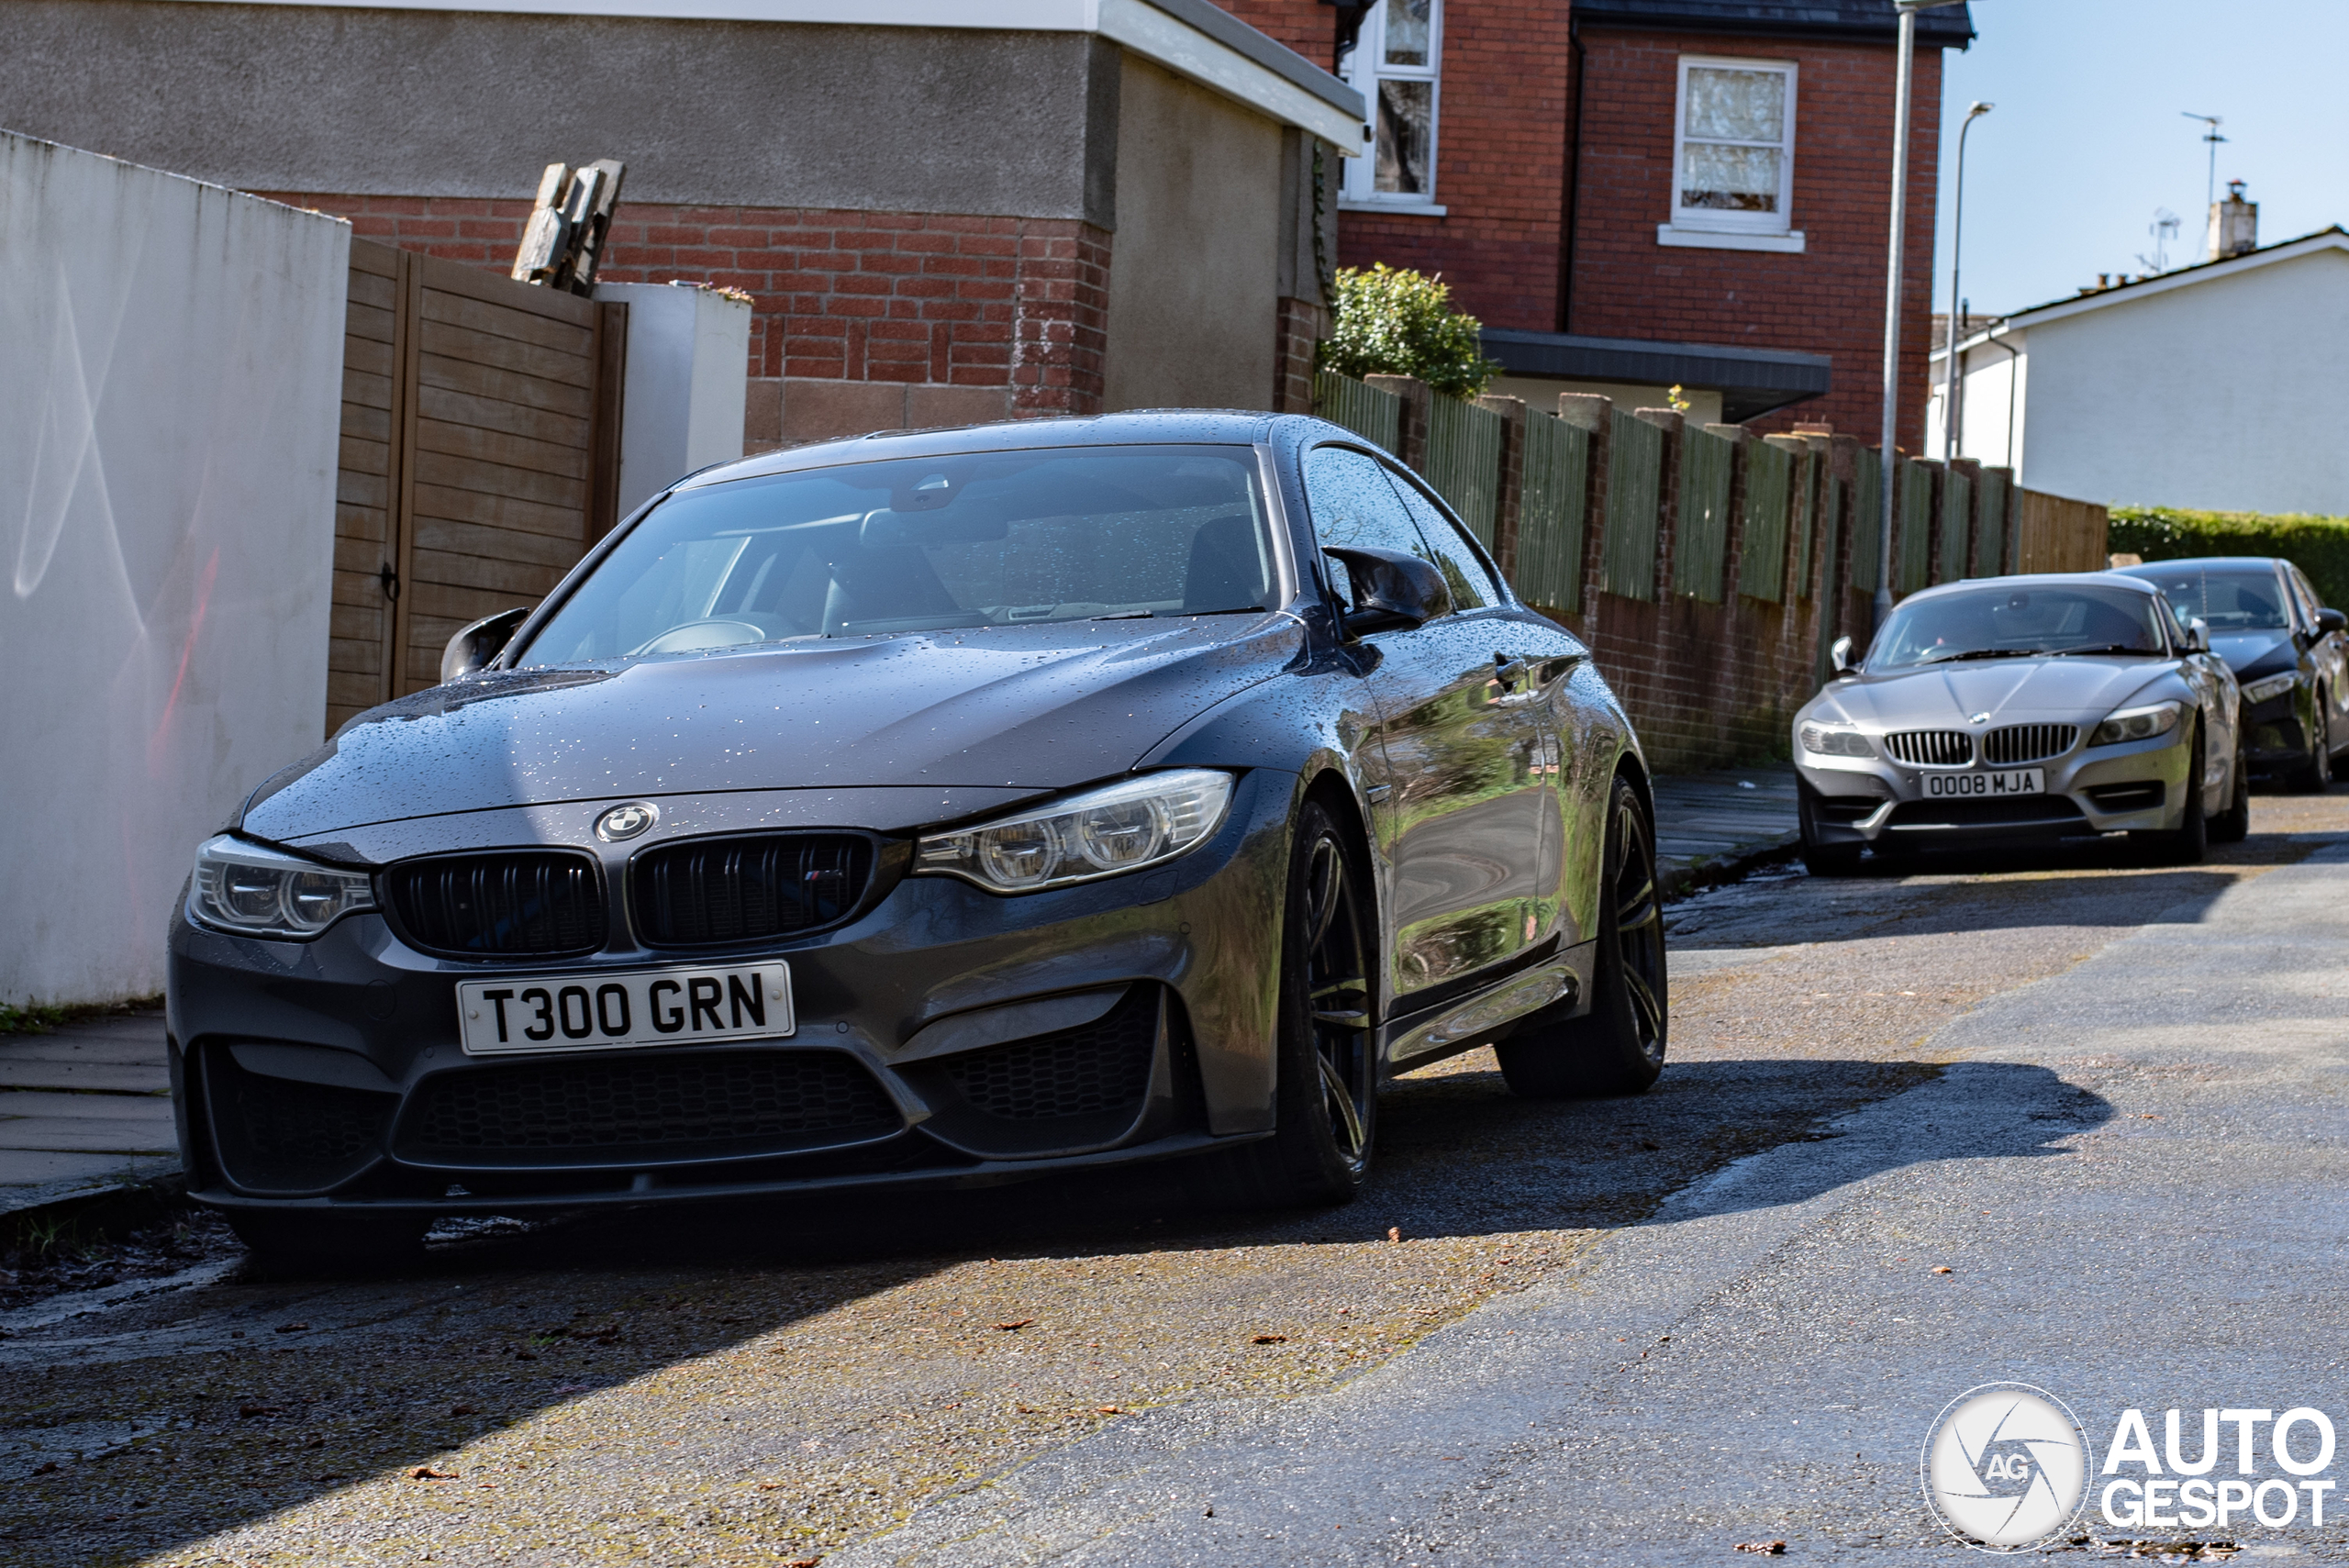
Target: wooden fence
x=1709 y=571
x=480 y=459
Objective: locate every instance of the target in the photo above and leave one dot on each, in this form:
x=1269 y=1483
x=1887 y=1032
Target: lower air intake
x=602 y=1111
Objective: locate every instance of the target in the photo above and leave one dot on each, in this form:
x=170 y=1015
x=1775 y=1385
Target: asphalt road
x=2105 y=1098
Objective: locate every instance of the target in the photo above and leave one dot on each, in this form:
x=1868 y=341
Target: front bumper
x=2137 y=787
x=944 y=1034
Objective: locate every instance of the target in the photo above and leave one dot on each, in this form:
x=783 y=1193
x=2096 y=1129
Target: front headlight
x=255 y=892
x=2137 y=724
x=1826 y=742
x=2273 y=687
x=1119 y=827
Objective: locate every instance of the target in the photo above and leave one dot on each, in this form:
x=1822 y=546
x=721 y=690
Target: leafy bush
x=1392 y=321
x=2319 y=546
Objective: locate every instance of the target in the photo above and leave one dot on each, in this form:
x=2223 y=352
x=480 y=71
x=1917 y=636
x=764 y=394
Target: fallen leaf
x=292 y=1328
x=1270 y=1339
x=526 y=1355
x=1394 y=1233
x=1015 y=1323
x=1763 y=1548
x=47 y=1467
x=803 y=1563
x=770 y=1485
x=463 y=1410
x=426 y=1472
x=250 y=1410
x=1650 y=1146
x=1944 y=1269
x=1107 y=1410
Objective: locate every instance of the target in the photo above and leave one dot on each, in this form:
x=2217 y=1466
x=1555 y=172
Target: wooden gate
x=481 y=423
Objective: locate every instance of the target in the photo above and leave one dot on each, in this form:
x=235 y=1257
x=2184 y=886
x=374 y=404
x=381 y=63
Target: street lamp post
x=1956 y=251
x=1909 y=9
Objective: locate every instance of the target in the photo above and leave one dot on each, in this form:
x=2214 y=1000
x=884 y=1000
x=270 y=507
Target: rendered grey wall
x=464 y=104
x=1195 y=268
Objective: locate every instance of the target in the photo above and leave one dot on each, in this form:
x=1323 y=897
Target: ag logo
x=2004 y=1466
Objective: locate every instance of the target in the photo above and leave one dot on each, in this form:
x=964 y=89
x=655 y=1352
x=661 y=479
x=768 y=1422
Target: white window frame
x=1712 y=227
x=1361 y=70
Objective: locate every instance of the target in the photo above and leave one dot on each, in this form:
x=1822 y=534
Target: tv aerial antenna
x=2211 y=124
x=2163 y=229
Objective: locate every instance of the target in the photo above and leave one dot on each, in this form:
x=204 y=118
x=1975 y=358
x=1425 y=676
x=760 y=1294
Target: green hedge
x=2319 y=546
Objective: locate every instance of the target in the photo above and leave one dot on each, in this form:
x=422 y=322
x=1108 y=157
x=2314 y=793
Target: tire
x=1325 y=1072
x=2187 y=843
x=2233 y=825
x=287 y=1243
x=2315 y=775
x=1617 y=1047
x=1823 y=859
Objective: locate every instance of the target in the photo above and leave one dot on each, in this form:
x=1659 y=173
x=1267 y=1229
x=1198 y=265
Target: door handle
x=1508 y=670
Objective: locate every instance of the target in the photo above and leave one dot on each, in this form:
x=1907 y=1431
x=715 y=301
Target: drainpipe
x=1574 y=181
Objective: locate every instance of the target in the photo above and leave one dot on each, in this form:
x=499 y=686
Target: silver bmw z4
x=2021 y=709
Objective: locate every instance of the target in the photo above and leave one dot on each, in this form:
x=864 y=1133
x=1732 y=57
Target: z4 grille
x=2028 y=743
x=1930 y=748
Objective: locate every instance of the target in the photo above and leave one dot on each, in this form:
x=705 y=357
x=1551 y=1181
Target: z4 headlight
x=1823 y=742
x=2137 y=724
x=2273 y=687
x=255 y=892
x=1119 y=828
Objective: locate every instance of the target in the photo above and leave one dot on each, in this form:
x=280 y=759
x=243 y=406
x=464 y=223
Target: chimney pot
x=2235 y=223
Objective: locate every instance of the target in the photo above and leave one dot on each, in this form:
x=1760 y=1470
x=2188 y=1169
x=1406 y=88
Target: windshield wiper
x=1123 y=614
x=1982 y=653
x=2107 y=647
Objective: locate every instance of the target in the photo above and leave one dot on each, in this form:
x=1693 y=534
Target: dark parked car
x=938 y=807
x=2283 y=645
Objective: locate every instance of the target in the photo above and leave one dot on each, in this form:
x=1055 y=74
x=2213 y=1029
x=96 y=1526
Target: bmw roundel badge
x=627 y=821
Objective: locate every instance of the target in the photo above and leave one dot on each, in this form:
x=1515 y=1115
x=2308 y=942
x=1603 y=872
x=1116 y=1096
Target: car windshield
x=2227 y=601
x=1995 y=622
x=990 y=538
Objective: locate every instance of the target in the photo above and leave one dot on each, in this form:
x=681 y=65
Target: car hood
x=2011 y=691
x=2256 y=652
x=1036 y=707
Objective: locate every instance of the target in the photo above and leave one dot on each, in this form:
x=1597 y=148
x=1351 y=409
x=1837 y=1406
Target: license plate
x=643 y=1006
x=1986 y=786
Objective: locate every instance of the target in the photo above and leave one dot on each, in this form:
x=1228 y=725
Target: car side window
x=1471 y=583
x=2305 y=591
x=1353 y=507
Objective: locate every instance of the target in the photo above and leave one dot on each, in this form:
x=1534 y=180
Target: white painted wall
x=169 y=415
x=681 y=398
x=2219 y=392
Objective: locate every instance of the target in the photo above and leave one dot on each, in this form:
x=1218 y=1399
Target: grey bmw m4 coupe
x=2020 y=710
x=939 y=808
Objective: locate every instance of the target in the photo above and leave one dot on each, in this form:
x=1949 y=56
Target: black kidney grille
x=517 y=902
x=2028 y=743
x=1100 y=1067
x=1932 y=747
x=704 y=892
x=741 y=1101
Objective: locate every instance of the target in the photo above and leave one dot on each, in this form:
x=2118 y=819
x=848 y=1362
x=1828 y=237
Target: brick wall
x=1308 y=27
x=1830 y=299
x=862 y=319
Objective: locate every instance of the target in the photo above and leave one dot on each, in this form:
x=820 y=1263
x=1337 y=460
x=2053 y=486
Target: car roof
x=2048 y=578
x=2206 y=564
x=1227 y=427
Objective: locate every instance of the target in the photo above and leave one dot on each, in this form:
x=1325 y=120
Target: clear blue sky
x=2064 y=177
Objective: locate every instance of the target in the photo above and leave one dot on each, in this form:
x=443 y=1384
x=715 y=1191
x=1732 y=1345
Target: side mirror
x=2197 y=635
x=477 y=644
x=2331 y=620
x=1392 y=589
x=1839 y=654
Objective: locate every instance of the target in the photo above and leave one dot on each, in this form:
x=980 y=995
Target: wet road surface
x=2106 y=1096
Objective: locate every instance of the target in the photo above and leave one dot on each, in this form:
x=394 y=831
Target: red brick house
x=1632 y=194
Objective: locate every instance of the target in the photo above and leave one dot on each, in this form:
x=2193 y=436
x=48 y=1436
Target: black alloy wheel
x=1326 y=1061
x=2233 y=825
x=1617 y=1047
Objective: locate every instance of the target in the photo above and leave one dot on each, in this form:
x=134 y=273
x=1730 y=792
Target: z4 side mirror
x=1391 y=589
x=477 y=644
x=2197 y=635
x=1839 y=654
